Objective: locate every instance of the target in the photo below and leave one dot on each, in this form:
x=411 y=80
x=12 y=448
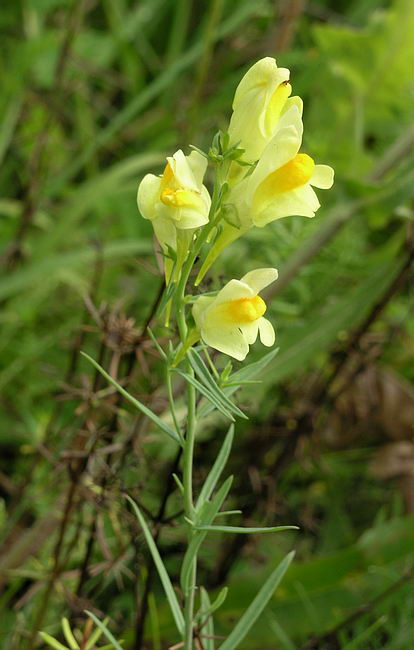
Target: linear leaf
x=74 y=645
x=255 y=368
x=237 y=378
x=162 y=572
x=52 y=642
x=207 y=515
x=139 y=405
x=215 y=472
x=105 y=630
x=207 y=632
x=206 y=392
x=215 y=604
x=95 y=636
x=242 y=529
x=205 y=376
x=258 y=604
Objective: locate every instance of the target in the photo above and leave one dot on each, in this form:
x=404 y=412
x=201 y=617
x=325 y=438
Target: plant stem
x=188 y=451
x=189 y=508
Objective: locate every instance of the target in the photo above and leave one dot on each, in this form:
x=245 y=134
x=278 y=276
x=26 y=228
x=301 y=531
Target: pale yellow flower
x=176 y=202
x=279 y=186
x=232 y=320
x=260 y=100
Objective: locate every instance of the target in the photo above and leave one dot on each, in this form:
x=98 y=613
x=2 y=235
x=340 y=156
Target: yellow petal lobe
x=293 y=174
x=245 y=310
x=276 y=104
x=168 y=174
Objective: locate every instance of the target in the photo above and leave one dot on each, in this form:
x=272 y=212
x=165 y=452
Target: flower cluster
x=267 y=178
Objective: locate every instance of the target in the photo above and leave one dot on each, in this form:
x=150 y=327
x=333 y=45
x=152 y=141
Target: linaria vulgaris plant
x=259 y=175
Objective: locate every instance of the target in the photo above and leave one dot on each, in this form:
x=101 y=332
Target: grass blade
x=105 y=630
x=52 y=642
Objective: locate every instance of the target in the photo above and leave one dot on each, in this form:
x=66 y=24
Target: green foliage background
x=94 y=95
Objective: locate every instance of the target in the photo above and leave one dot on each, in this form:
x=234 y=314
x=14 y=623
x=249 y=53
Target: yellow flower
x=279 y=186
x=260 y=100
x=176 y=202
x=281 y=183
x=231 y=321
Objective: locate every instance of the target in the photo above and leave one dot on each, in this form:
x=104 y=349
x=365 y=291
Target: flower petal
x=256 y=106
x=165 y=232
x=292 y=117
x=322 y=177
x=293 y=101
x=259 y=278
x=250 y=331
x=198 y=165
x=301 y=201
x=149 y=195
x=267 y=333
x=190 y=217
x=182 y=171
x=227 y=340
x=234 y=290
x=200 y=307
x=283 y=147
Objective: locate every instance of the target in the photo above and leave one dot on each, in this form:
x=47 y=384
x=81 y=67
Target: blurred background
x=94 y=95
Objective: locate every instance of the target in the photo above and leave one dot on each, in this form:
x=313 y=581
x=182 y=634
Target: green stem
x=189 y=508
x=171 y=402
x=188 y=451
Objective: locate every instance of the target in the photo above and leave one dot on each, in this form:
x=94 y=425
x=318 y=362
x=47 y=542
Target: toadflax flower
x=279 y=186
x=176 y=202
x=231 y=321
x=260 y=99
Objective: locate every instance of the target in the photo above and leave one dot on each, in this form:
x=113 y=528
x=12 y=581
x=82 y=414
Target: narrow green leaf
x=166 y=297
x=258 y=604
x=207 y=631
x=242 y=529
x=254 y=369
x=226 y=513
x=95 y=636
x=104 y=629
x=141 y=407
x=52 y=642
x=162 y=572
x=206 y=392
x=207 y=515
x=74 y=645
x=246 y=373
x=205 y=376
x=157 y=345
x=280 y=634
x=215 y=605
x=178 y=483
x=215 y=472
